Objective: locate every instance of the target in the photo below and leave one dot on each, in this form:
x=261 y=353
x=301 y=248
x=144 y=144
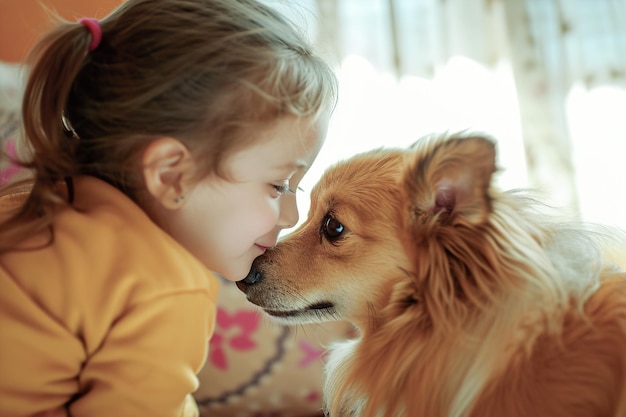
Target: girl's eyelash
x=283 y=188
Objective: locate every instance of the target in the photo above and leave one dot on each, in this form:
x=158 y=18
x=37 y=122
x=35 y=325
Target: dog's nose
x=254 y=276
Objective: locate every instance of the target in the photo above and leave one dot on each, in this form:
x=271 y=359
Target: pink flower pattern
x=246 y=321
x=7 y=173
x=311 y=354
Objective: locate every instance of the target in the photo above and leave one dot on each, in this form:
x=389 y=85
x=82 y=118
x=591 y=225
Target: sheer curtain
x=547 y=78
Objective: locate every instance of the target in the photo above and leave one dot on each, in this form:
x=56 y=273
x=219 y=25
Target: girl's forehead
x=285 y=147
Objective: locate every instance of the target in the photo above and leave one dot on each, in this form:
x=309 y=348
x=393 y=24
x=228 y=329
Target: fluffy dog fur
x=469 y=301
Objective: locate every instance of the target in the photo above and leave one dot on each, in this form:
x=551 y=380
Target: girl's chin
x=240 y=271
x=228 y=278
x=234 y=275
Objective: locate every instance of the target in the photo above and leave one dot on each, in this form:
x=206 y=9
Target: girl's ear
x=167 y=167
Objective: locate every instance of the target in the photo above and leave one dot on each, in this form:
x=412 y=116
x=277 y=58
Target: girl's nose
x=288 y=216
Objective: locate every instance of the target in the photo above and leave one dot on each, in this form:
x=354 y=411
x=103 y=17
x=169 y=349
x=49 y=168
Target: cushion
x=10 y=102
x=257 y=367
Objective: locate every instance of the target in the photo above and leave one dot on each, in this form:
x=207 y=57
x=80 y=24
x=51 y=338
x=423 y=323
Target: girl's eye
x=281 y=189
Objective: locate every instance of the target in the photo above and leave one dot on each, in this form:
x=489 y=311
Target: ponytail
x=53 y=65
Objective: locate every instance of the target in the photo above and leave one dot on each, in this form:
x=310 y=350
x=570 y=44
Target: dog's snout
x=254 y=276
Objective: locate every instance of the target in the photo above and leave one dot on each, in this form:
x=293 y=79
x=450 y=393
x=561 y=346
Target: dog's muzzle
x=254 y=276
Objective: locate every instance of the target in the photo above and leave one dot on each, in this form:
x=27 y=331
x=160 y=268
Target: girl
x=167 y=141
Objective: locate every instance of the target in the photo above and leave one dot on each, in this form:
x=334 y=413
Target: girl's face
x=228 y=223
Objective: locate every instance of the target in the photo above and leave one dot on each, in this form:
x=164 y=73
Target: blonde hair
x=202 y=71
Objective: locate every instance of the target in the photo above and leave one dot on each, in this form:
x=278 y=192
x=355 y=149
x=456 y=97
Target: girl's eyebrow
x=291 y=166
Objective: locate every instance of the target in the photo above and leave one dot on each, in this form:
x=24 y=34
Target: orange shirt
x=111 y=319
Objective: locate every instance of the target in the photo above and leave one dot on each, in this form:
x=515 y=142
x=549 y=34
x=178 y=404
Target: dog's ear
x=450 y=179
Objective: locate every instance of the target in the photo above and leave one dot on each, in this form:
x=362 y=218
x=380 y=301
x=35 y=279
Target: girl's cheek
x=269 y=216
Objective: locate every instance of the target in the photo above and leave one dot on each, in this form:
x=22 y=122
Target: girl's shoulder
x=104 y=256
x=105 y=236
x=117 y=233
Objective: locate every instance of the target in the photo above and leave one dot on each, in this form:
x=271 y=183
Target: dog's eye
x=332 y=228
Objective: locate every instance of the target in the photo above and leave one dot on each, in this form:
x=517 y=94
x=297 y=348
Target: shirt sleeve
x=147 y=364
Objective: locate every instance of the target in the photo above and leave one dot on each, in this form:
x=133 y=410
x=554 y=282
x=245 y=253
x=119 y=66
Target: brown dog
x=469 y=300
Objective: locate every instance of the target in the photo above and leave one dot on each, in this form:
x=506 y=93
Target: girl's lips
x=263 y=248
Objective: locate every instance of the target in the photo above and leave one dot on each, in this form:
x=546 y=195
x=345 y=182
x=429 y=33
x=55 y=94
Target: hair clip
x=67 y=125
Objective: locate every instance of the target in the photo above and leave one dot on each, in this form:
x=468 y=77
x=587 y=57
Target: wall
x=23 y=21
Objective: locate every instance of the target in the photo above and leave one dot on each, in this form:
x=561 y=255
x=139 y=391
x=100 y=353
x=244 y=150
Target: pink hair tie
x=96 y=32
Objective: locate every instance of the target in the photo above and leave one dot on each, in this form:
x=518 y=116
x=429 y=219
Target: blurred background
x=546 y=78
